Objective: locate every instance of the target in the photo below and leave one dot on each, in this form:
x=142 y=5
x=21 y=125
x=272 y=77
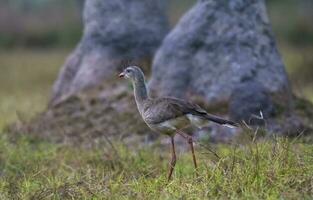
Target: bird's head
x=133 y=73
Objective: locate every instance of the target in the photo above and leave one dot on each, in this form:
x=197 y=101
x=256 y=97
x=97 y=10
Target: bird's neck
x=140 y=92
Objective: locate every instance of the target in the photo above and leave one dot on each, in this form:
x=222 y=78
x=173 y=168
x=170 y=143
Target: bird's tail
x=221 y=121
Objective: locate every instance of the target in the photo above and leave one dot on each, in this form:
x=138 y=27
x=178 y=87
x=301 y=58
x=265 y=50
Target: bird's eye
x=127 y=71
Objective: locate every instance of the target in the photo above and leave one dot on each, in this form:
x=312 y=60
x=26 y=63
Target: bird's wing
x=163 y=109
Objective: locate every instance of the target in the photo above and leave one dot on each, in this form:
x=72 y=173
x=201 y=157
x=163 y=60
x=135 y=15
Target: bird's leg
x=173 y=161
x=192 y=151
x=190 y=142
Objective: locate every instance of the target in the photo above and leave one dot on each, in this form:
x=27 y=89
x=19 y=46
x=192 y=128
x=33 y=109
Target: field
x=34 y=169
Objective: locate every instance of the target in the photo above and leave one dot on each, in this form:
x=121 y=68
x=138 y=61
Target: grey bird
x=167 y=115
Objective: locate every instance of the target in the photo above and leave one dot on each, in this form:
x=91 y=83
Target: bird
x=169 y=115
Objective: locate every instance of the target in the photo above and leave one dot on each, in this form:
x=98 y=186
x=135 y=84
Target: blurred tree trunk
x=223 y=53
x=114 y=32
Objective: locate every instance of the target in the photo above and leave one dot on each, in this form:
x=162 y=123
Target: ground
x=278 y=168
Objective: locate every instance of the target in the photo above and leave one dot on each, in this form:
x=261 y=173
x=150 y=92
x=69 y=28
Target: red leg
x=190 y=142
x=192 y=151
x=173 y=161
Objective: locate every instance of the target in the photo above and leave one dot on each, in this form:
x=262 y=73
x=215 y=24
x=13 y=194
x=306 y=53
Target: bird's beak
x=121 y=75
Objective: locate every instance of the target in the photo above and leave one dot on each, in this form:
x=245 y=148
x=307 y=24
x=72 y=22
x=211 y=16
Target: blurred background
x=37 y=35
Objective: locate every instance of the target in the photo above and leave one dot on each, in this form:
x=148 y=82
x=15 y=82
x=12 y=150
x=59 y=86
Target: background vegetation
x=35 y=38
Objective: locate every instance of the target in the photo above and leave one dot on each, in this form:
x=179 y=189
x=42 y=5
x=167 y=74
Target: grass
x=36 y=169
x=25 y=81
x=264 y=170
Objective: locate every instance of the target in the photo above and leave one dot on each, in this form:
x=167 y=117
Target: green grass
x=25 y=81
x=36 y=169
x=264 y=170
